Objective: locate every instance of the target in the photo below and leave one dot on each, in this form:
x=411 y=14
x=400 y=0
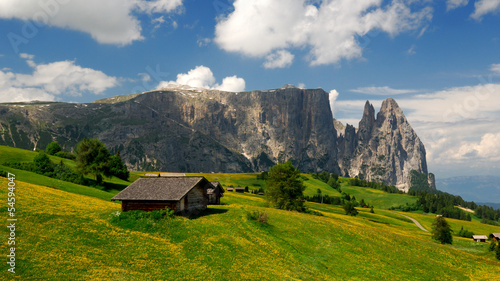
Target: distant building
x=214 y=194
x=181 y=194
x=495 y=236
x=239 y=189
x=480 y=238
x=229 y=189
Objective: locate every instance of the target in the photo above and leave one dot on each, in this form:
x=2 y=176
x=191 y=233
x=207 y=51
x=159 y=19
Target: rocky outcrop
x=197 y=130
x=385 y=149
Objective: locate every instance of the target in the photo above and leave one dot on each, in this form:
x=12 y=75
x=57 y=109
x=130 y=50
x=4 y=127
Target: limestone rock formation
x=384 y=149
x=185 y=129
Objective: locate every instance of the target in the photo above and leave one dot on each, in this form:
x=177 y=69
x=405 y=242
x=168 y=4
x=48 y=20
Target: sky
x=440 y=60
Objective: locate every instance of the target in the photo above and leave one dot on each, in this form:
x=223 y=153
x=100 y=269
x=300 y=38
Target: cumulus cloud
x=50 y=80
x=486 y=148
x=203 y=77
x=382 y=91
x=279 y=59
x=114 y=22
x=483 y=7
x=453 y=4
x=330 y=31
x=332 y=97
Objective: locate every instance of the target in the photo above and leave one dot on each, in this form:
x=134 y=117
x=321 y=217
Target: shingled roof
x=159 y=189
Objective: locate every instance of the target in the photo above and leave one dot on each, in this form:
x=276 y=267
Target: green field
x=65 y=232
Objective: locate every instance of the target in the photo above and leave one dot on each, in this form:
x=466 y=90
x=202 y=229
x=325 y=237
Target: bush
x=42 y=164
x=465 y=233
x=258 y=216
x=53 y=148
x=350 y=209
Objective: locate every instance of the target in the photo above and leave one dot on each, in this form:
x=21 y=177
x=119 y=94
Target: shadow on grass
x=108 y=186
x=208 y=212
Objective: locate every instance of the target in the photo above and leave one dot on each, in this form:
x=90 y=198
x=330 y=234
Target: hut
x=181 y=194
x=215 y=193
x=239 y=189
x=495 y=236
x=479 y=238
x=230 y=189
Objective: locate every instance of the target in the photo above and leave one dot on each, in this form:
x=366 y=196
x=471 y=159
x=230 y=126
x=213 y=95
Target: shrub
x=465 y=233
x=350 y=209
x=53 y=148
x=258 y=216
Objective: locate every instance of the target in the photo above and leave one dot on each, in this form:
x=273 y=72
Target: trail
x=414 y=221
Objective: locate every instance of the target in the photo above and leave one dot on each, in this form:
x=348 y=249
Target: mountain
x=183 y=129
x=385 y=148
x=473 y=188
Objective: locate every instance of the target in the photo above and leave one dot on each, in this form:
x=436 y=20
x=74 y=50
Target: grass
x=66 y=236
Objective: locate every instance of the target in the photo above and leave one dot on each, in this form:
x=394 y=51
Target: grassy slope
x=374 y=197
x=65 y=236
x=10 y=154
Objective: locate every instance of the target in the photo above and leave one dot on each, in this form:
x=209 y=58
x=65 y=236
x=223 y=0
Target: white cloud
x=495 y=68
x=50 y=80
x=483 y=7
x=109 y=22
x=487 y=148
x=202 y=42
x=382 y=91
x=202 y=77
x=330 y=31
x=301 y=86
x=332 y=97
x=232 y=84
x=279 y=59
x=453 y=4
x=145 y=77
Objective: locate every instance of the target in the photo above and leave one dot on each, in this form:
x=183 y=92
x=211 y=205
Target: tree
x=497 y=251
x=53 y=148
x=350 y=209
x=43 y=165
x=117 y=168
x=441 y=231
x=285 y=187
x=92 y=157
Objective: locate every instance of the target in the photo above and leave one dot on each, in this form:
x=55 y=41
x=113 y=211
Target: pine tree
x=441 y=231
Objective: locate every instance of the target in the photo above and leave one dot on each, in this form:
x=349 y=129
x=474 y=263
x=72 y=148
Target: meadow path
x=413 y=220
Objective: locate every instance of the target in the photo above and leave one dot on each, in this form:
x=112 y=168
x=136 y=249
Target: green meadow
x=67 y=232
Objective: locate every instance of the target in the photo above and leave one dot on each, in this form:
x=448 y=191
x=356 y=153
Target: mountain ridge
x=199 y=130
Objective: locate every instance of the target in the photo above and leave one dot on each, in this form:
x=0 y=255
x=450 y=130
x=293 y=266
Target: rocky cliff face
x=198 y=130
x=384 y=149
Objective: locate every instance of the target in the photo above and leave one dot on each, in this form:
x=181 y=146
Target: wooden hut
x=239 y=189
x=181 y=194
x=495 y=236
x=214 y=194
x=480 y=238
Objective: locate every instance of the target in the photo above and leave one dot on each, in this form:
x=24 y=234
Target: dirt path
x=413 y=220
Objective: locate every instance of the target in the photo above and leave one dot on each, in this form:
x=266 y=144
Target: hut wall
x=196 y=199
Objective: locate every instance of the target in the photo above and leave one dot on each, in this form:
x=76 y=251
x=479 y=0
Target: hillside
x=65 y=235
x=200 y=130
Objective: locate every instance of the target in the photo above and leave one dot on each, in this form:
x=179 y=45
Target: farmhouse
x=214 y=194
x=479 y=238
x=181 y=194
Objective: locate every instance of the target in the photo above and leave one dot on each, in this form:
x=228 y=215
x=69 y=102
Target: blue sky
x=439 y=59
